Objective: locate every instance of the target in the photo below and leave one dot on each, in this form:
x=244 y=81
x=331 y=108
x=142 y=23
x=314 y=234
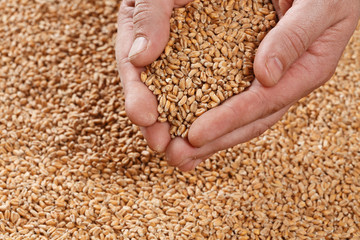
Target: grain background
x=72 y=166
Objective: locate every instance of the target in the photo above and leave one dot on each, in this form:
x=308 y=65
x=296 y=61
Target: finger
x=255 y=103
x=125 y=36
x=140 y=103
x=180 y=3
x=282 y=6
x=151 y=30
x=157 y=136
x=191 y=165
x=183 y=155
x=309 y=72
x=302 y=24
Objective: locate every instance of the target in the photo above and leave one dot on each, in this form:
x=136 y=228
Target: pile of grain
x=72 y=166
x=208 y=59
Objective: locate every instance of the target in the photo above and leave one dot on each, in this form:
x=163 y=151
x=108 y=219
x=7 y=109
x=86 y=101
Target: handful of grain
x=208 y=59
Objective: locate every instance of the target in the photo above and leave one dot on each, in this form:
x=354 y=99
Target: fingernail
x=139 y=45
x=158 y=149
x=274 y=69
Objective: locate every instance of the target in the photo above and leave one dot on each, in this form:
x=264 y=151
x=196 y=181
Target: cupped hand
x=296 y=57
x=143 y=32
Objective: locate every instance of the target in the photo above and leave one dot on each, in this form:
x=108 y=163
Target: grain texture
x=72 y=166
x=208 y=59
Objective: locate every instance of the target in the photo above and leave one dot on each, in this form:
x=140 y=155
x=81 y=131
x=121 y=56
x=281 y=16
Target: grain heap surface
x=72 y=166
x=208 y=58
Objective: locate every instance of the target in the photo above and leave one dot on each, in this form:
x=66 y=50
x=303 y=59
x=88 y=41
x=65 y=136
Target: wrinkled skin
x=299 y=55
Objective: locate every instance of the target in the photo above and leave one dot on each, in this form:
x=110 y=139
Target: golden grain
x=222 y=51
x=72 y=166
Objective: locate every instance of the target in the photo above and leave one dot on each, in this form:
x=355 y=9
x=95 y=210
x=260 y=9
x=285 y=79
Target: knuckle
x=126 y=9
x=297 y=40
x=122 y=64
x=273 y=108
x=230 y=112
x=176 y=161
x=269 y=106
x=261 y=100
x=258 y=132
x=143 y=5
x=260 y=128
x=142 y=12
x=147 y=12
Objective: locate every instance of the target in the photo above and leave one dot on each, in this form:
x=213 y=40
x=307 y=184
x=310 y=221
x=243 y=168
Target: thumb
x=151 y=30
x=301 y=25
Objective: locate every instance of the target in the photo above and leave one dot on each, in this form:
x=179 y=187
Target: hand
x=143 y=32
x=297 y=56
